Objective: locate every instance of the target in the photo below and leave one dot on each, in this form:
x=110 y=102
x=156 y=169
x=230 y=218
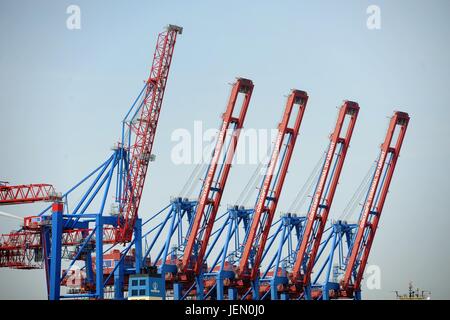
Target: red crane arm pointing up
x=376 y=197
x=145 y=130
x=210 y=196
x=321 y=203
x=267 y=205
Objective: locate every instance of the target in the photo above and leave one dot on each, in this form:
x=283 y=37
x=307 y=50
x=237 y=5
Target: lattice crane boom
x=145 y=130
x=267 y=203
x=215 y=181
x=324 y=193
x=376 y=197
x=26 y=193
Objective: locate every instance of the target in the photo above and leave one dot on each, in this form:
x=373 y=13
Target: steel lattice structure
x=26 y=193
x=145 y=129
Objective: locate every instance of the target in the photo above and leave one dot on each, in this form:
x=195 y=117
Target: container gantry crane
x=179 y=218
x=21 y=249
x=269 y=194
x=342 y=234
x=323 y=198
x=222 y=273
x=62 y=229
x=192 y=263
x=373 y=206
x=78 y=233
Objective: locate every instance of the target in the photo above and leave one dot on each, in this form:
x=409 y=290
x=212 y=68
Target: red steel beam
x=323 y=196
x=375 y=200
x=18 y=249
x=145 y=130
x=266 y=205
x=210 y=196
x=26 y=193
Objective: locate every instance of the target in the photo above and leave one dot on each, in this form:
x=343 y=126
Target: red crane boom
x=23 y=249
x=145 y=130
x=374 y=203
x=210 y=196
x=266 y=204
x=26 y=193
x=20 y=250
x=324 y=193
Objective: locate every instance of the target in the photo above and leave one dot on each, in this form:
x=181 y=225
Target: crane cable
x=134 y=118
x=358 y=195
x=193 y=180
x=307 y=187
x=9 y=215
x=251 y=186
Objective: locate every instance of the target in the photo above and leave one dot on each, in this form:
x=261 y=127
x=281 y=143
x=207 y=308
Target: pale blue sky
x=63 y=94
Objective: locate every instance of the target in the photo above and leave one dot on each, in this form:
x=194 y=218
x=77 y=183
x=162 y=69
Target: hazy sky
x=64 y=92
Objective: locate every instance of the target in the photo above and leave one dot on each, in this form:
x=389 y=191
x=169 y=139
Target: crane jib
x=145 y=131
